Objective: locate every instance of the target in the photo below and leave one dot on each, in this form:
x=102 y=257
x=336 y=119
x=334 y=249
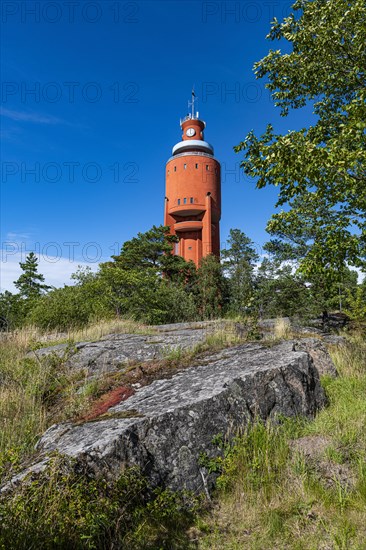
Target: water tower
x=193 y=192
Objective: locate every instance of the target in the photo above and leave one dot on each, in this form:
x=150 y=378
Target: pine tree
x=148 y=250
x=30 y=283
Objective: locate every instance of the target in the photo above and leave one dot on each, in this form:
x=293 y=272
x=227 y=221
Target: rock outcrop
x=113 y=351
x=165 y=426
x=319 y=354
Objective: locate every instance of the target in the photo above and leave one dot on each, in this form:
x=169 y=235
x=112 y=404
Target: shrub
x=66 y=507
x=64 y=308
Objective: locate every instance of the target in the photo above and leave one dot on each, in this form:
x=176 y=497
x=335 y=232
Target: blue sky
x=92 y=95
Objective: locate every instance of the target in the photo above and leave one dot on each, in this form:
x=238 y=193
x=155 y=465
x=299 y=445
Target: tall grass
x=30 y=392
x=67 y=508
x=273 y=495
x=282 y=329
x=35 y=393
x=22 y=415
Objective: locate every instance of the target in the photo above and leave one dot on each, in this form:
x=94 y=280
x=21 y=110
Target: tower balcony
x=192 y=145
x=191 y=154
x=187 y=209
x=188 y=226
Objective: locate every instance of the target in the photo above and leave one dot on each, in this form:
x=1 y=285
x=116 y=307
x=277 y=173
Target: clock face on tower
x=190 y=132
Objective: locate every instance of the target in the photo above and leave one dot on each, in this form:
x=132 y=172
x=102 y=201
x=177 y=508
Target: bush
x=66 y=507
x=64 y=308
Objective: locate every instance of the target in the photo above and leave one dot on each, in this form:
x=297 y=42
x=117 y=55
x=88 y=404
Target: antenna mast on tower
x=191 y=104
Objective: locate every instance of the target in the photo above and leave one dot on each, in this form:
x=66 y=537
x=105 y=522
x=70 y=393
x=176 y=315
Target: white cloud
x=56 y=270
x=33 y=117
x=30 y=117
x=16 y=237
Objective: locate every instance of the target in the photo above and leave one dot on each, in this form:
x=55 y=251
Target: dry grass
x=34 y=394
x=282 y=329
x=21 y=339
x=103 y=328
x=27 y=337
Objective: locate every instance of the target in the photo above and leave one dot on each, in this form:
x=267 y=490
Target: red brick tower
x=193 y=192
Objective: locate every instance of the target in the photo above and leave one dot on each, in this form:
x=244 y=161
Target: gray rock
x=319 y=354
x=206 y=325
x=334 y=340
x=114 y=351
x=60 y=350
x=165 y=426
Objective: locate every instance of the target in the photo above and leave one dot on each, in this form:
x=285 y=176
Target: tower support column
x=166 y=214
x=206 y=230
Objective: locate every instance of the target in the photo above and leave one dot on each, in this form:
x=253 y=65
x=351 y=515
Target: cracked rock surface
x=165 y=426
x=116 y=350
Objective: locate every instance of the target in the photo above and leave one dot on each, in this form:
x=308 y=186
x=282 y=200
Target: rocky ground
x=165 y=424
x=114 y=351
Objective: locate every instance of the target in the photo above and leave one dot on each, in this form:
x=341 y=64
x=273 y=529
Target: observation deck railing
x=190 y=153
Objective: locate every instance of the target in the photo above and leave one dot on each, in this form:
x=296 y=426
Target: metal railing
x=190 y=154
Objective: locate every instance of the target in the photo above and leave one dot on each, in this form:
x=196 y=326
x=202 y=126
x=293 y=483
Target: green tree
x=152 y=249
x=355 y=302
x=144 y=296
x=127 y=292
x=211 y=288
x=345 y=286
x=82 y=275
x=320 y=170
x=177 y=303
x=279 y=292
x=12 y=311
x=328 y=287
x=30 y=283
x=240 y=248
x=239 y=260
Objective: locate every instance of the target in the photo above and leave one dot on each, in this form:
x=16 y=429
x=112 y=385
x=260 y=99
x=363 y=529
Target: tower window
x=191 y=200
x=185 y=201
x=207 y=167
x=178 y=202
x=185 y=166
x=175 y=168
x=196 y=166
x=189 y=248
